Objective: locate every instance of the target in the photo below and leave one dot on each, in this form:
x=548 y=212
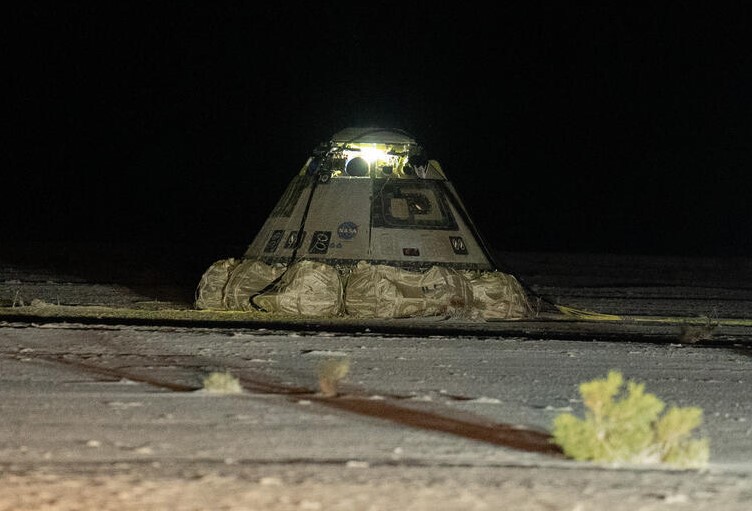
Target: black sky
x=593 y=127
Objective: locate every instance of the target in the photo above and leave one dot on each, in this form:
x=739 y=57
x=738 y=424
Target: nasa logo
x=347 y=230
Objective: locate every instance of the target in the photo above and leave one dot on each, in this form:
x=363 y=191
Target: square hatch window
x=411 y=204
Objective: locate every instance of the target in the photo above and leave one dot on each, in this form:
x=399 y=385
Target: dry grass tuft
x=330 y=372
x=690 y=333
x=222 y=383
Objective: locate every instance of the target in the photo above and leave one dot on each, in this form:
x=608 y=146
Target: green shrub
x=626 y=427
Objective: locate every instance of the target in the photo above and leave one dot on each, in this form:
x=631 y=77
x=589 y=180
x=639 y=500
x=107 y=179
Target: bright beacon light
x=371 y=154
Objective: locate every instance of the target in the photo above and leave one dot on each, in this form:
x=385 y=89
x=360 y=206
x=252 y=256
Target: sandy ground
x=113 y=417
x=286 y=488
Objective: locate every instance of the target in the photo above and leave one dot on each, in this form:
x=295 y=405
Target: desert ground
x=101 y=410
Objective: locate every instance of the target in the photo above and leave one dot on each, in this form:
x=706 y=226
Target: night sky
x=565 y=126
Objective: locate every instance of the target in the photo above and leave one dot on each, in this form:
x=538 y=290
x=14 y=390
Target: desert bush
x=626 y=426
